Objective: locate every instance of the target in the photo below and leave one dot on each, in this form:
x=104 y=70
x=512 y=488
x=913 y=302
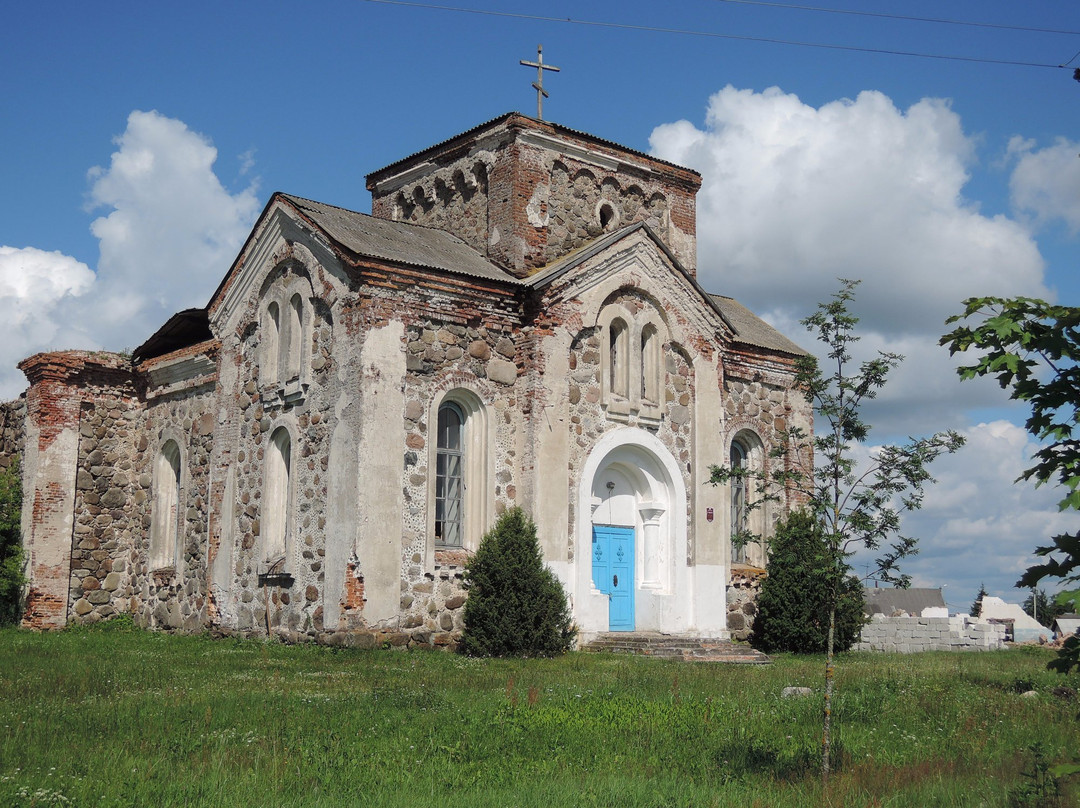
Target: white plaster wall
x=382 y=434
x=48 y=541
x=342 y=511
x=551 y=473
x=221 y=571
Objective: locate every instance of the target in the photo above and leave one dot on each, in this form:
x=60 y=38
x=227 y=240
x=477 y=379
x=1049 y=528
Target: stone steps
x=672 y=646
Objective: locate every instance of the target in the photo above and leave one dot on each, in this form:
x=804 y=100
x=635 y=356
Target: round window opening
x=607 y=217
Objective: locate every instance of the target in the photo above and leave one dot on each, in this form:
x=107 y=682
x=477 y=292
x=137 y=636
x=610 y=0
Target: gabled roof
x=752 y=330
x=364 y=236
x=522 y=121
x=397 y=242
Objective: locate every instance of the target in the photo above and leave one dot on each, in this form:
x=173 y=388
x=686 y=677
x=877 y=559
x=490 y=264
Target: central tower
x=525 y=192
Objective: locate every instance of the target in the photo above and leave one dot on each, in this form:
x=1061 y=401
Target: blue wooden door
x=613 y=573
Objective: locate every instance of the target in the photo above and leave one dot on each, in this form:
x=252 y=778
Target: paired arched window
x=274 y=528
x=460 y=492
x=165 y=508
x=632 y=362
x=281 y=344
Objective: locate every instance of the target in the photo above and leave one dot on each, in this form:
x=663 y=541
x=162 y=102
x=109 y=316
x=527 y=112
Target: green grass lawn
x=130 y=718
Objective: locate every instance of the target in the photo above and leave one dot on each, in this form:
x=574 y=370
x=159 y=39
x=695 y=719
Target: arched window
x=292 y=347
x=165 y=510
x=619 y=358
x=275 y=497
x=460 y=488
x=650 y=365
x=739 y=522
x=269 y=340
x=450 y=475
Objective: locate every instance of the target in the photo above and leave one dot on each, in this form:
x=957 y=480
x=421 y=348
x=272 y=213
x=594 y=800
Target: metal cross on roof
x=538 y=85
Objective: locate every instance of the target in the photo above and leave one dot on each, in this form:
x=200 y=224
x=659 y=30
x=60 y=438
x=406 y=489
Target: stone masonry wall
x=174 y=596
x=525 y=202
x=442 y=356
x=12 y=430
x=906 y=635
x=589 y=420
x=742 y=594
x=107 y=523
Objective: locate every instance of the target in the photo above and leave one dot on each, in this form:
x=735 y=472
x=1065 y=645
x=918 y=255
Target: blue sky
x=141 y=140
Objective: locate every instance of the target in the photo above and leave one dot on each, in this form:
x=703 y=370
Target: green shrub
x=12 y=579
x=793 y=606
x=516 y=605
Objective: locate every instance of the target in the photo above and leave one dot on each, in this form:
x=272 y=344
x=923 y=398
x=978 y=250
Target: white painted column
x=650 y=519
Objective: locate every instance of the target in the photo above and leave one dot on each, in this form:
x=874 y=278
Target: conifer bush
x=793 y=605
x=516 y=605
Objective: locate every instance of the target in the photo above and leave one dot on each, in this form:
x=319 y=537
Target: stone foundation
x=742 y=596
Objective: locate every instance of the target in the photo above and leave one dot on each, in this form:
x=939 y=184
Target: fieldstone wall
x=906 y=635
x=174 y=596
x=107 y=521
x=742 y=594
x=440 y=357
x=526 y=192
x=12 y=430
x=255 y=408
x=589 y=418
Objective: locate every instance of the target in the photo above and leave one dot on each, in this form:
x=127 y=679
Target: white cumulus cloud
x=794 y=197
x=171 y=230
x=1045 y=183
x=32 y=283
x=978 y=524
x=168 y=232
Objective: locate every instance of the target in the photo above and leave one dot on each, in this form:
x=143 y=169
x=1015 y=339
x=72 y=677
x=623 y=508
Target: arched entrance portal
x=632 y=520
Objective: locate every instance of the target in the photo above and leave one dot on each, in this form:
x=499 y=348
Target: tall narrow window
x=275 y=498
x=449 y=475
x=293 y=347
x=165 y=511
x=739 y=524
x=650 y=365
x=619 y=359
x=269 y=339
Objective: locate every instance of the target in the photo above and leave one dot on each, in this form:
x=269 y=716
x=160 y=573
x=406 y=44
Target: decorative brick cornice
x=78 y=367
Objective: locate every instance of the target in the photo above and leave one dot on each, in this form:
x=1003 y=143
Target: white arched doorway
x=631 y=535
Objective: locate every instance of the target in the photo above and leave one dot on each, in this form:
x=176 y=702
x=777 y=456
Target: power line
x=881 y=15
x=714 y=35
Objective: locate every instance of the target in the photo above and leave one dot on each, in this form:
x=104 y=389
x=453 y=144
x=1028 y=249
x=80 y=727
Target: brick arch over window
x=459 y=471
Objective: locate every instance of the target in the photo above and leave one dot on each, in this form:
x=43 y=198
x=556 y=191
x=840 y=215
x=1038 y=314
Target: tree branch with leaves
x=1032 y=348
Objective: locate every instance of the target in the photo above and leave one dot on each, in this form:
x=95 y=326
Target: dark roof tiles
x=398 y=242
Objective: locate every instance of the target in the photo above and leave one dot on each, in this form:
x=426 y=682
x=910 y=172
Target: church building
x=317 y=452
